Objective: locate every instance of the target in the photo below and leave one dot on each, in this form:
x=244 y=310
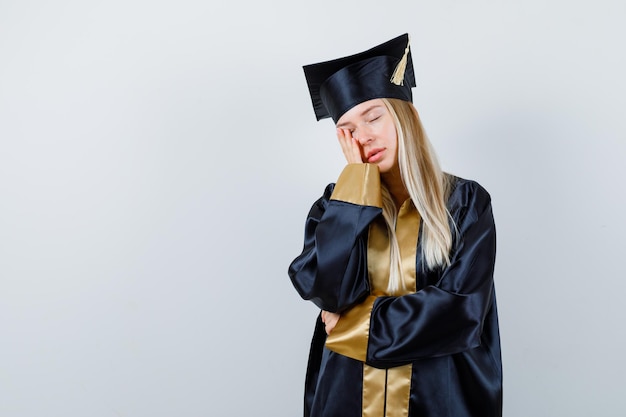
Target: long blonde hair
x=427 y=185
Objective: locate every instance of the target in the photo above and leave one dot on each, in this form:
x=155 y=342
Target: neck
x=393 y=181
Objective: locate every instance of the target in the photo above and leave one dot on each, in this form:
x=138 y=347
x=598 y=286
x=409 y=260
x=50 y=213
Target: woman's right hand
x=350 y=146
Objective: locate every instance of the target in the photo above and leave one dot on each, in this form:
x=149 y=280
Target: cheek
x=391 y=137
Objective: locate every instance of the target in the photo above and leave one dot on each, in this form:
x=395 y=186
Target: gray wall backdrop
x=158 y=159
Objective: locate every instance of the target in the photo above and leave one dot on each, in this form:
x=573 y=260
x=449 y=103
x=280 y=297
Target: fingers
x=350 y=146
x=330 y=320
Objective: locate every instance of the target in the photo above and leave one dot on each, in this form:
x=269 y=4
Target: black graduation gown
x=447 y=330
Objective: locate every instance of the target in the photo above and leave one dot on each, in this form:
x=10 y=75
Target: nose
x=363 y=135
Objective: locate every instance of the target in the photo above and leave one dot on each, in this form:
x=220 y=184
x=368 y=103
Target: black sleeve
x=331 y=271
x=447 y=317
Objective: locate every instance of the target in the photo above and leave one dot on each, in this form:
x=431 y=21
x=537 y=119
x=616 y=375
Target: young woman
x=399 y=257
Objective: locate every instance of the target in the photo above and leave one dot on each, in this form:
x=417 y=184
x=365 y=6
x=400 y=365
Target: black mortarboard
x=385 y=71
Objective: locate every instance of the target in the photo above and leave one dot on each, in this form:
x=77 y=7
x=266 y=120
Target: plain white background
x=158 y=159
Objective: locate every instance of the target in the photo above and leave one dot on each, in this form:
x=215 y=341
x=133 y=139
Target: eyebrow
x=363 y=113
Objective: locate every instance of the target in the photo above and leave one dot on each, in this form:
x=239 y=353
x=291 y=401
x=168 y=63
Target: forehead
x=361 y=110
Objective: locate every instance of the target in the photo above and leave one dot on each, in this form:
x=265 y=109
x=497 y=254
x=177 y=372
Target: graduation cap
x=385 y=71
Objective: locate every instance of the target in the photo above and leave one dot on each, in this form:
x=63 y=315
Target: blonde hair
x=427 y=185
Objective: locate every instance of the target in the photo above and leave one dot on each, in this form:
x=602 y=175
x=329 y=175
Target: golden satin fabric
x=350 y=335
x=359 y=184
x=386 y=392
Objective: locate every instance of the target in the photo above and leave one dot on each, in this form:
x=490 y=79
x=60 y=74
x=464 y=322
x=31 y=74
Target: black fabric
x=338 y=85
x=447 y=329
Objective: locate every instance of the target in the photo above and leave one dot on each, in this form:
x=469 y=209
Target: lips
x=374 y=155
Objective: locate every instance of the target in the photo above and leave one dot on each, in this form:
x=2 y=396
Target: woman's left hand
x=330 y=320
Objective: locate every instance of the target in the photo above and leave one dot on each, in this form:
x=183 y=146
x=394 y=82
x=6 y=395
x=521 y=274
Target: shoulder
x=322 y=202
x=329 y=190
x=465 y=189
x=467 y=196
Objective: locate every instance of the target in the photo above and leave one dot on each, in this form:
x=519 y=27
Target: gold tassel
x=398 y=74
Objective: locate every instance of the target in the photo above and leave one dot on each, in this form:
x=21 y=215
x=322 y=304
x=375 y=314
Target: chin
x=388 y=167
x=383 y=169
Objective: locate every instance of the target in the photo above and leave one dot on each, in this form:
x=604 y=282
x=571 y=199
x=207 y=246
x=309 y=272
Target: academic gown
x=432 y=351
